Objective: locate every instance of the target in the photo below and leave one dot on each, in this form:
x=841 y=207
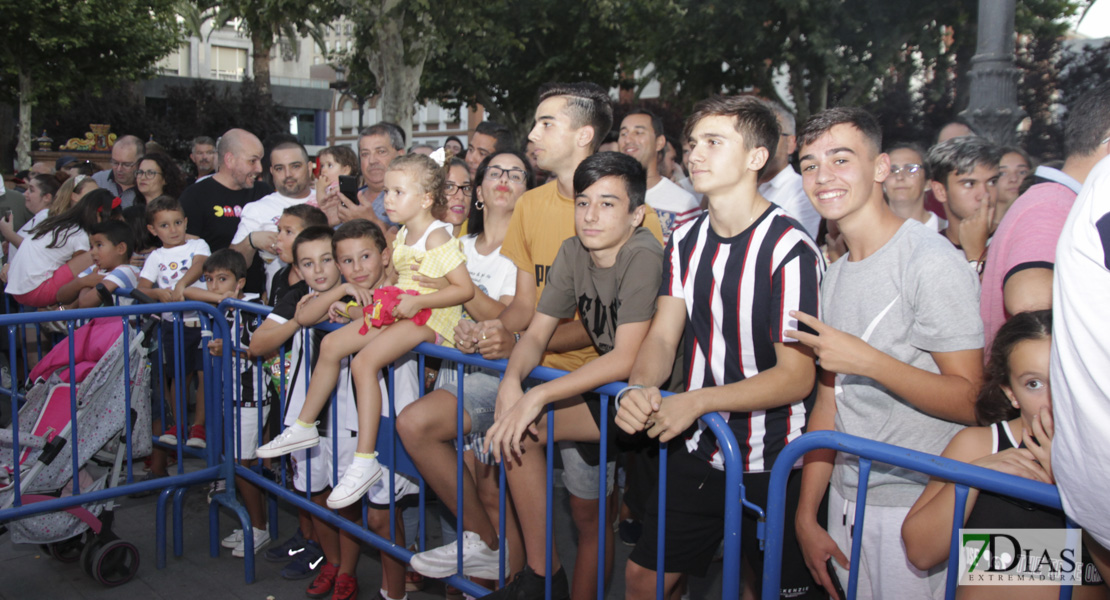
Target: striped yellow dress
x=433 y=263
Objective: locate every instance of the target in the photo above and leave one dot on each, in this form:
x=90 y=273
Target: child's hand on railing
x=1015 y=461
x=338 y=312
x=216 y=347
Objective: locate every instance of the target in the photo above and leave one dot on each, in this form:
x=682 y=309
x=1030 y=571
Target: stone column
x=992 y=109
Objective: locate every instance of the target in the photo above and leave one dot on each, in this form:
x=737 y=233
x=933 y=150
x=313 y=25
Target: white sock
x=386 y=596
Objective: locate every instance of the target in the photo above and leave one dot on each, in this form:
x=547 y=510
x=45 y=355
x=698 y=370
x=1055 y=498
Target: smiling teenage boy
x=900 y=344
x=729 y=280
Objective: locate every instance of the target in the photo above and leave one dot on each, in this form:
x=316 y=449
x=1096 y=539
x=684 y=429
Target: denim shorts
x=479 y=394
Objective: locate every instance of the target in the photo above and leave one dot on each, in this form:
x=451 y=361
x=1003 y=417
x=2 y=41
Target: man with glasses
x=1017 y=276
x=488 y=138
x=780 y=183
x=120 y=179
x=641 y=137
x=906 y=185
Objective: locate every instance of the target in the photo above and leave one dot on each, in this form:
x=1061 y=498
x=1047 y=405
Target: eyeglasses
x=125 y=165
x=910 y=170
x=147 y=174
x=515 y=175
x=451 y=187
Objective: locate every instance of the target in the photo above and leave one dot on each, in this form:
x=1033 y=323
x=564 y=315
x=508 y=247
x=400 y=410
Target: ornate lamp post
x=993 y=110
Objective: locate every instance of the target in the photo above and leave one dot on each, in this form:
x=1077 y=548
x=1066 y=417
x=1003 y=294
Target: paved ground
x=28 y=573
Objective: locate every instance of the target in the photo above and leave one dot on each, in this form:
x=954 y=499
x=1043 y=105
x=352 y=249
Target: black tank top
x=992 y=511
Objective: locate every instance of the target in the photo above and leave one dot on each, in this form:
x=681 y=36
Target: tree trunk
x=23 y=149
x=261 y=42
x=397 y=64
x=7 y=131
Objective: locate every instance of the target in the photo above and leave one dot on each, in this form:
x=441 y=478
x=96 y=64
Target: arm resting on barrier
x=653 y=364
x=816 y=544
x=949 y=395
x=927 y=528
x=517 y=414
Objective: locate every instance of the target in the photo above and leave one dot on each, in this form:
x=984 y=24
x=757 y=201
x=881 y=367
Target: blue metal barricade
x=394 y=457
x=21 y=504
x=962 y=474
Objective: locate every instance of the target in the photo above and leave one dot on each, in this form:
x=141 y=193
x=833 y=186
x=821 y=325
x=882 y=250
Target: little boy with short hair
x=225 y=275
x=168 y=270
x=292 y=222
x=111 y=245
x=315 y=253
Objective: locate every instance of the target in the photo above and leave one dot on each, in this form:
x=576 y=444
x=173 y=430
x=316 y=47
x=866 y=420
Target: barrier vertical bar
x=73 y=434
x=603 y=498
x=126 y=338
x=549 y=515
x=954 y=543
x=18 y=501
x=857 y=524
x=661 y=529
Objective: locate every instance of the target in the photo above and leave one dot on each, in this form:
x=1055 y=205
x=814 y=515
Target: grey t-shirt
x=914 y=296
x=606 y=298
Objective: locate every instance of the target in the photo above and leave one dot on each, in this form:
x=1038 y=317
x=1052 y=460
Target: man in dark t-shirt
x=213 y=205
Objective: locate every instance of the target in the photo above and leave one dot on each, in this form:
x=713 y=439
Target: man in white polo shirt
x=257 y=232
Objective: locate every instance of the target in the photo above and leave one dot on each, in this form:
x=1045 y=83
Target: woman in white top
x=41 y=191
x=56 y=250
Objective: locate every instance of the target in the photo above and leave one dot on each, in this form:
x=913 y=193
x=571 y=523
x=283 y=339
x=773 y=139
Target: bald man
x=213 y=205
x=120 y=179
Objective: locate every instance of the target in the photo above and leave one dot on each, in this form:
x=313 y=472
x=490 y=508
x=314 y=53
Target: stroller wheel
x=115 y=563
x=88 y=554
x=66 y=551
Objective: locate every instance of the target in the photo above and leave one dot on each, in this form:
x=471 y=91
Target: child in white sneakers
x=397 y=319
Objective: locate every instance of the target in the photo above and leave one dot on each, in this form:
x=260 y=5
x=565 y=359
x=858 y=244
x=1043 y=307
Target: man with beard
x=213 y=206
x=203 y=156
x=257 y=231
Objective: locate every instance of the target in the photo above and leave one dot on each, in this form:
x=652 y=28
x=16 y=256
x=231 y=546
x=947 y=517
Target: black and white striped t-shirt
x=739 y=292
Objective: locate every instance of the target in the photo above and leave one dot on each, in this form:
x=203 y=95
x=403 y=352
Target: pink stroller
x=46 y=433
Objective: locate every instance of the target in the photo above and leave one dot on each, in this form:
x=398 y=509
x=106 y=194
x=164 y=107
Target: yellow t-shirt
x=542 y=220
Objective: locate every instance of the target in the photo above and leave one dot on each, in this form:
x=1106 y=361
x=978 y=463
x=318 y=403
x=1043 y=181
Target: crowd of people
x=788 y=277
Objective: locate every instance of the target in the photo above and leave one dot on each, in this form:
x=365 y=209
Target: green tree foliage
x=265 y=23
x=500 y=53
x=56 y=49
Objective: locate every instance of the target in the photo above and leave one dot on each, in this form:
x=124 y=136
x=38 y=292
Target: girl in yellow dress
x=413 y=196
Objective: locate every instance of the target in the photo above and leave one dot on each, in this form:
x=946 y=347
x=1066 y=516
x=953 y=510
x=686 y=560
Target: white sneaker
x=356 y=481
x=261 y=538
x=292 y=439
x=478 y=559
x=233 y=540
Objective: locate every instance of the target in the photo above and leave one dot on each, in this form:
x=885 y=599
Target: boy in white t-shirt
x=168 y=270
x=112 y=243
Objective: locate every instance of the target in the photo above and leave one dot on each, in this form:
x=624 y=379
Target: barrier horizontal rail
x=123 y=481
x=727 y=441
x=964 y=475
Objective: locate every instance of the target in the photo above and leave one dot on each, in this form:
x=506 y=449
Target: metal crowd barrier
x=962 y=474
x=219 y=386
x=393 y=456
